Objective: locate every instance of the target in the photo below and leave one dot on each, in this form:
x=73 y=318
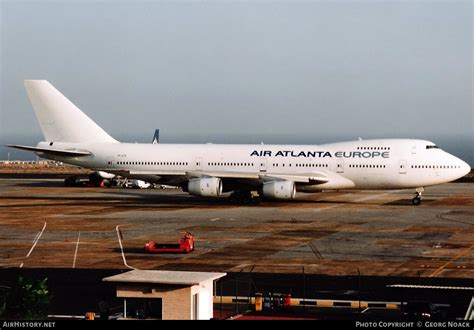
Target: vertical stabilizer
x=156 y=137
x=59 y=118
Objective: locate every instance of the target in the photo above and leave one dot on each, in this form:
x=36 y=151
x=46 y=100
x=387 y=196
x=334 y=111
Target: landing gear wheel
x=416 y=200
x=256 y=200
x=244 y=197
x=234 y=197
x=247 y=200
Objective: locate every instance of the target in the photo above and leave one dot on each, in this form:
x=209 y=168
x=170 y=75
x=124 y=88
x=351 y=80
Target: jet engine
x=205 y=187
x=279 y=189
x=101 y=178
x=106 y=175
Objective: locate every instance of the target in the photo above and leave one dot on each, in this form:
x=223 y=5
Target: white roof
x=164 y=277
x=437 y=287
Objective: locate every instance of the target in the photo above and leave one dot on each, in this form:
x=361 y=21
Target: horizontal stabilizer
x=58 y=152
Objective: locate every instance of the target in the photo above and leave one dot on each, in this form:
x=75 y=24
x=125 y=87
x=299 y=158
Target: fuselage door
x=198 y=163
x=340 y=166
x=110 y=162
x=403 y=167
x=263 y=164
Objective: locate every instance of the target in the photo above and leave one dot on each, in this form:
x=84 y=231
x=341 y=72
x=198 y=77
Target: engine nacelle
x=205 y=187
x=279 y=189
x=106 y=175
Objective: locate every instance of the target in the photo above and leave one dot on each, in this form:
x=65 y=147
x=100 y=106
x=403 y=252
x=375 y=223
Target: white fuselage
x=275 y=171
x=367 y=164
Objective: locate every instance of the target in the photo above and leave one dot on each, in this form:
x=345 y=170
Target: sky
x=245 y=71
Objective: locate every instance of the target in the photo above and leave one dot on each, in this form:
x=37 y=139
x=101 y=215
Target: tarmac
x=374 y=233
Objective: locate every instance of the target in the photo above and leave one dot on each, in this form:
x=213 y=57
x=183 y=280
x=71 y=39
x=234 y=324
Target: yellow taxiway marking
x=456 y=257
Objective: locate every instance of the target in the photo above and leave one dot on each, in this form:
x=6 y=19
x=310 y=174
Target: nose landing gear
x=418 y=198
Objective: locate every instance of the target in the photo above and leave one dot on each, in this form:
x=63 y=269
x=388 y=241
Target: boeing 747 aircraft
x=274 y=171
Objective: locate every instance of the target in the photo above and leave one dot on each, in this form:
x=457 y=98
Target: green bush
x=28 y=299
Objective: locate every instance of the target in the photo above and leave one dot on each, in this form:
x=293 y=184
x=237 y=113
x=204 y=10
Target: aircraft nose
x=464 y=167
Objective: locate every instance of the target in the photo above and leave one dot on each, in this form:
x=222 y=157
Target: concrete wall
x=176 y=300
x=205 y=296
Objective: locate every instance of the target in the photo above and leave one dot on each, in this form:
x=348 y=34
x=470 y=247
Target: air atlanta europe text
x=321 y=154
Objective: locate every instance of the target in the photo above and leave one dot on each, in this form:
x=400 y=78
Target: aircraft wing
x=53 y=151
x=302 y=178
x=246 y=178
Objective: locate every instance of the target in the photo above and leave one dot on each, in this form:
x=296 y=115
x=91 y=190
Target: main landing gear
x=244 y=197
x=418 y=198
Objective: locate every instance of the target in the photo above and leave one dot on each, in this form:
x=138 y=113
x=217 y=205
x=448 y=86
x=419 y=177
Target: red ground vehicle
x=186 y=245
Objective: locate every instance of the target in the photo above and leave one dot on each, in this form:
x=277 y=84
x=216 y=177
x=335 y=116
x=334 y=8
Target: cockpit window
x=432 y=147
